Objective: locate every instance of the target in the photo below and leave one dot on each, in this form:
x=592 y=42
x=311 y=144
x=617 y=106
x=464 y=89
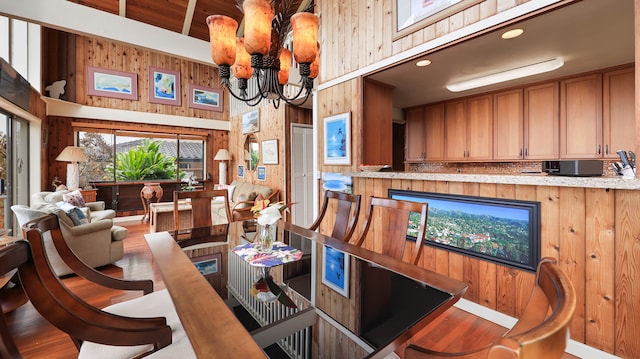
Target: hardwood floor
x=455 y=330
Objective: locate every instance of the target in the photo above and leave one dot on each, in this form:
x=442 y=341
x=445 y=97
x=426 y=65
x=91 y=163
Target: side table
x=150 y=190
x=89 y=195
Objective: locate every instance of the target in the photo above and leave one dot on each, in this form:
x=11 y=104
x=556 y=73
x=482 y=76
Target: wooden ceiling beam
x=122 y=6
x=188 y=17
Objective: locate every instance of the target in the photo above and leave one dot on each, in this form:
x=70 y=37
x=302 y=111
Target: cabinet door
x=434 y=127
x=480 y=128
x=618 y=112
x=581 y=117
x=415 y=138
x=455 y=122
x=508 y=126
x=542 y=124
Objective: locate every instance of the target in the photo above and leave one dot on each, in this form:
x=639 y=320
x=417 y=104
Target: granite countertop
x=537 y=179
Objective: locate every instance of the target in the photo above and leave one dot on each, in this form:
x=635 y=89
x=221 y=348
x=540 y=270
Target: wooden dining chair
x=542 y=330
x=200 y=229
x=88 y=326
x=391 y=219
x=346 y=215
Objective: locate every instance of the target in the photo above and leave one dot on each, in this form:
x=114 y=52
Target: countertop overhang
x=537 y=179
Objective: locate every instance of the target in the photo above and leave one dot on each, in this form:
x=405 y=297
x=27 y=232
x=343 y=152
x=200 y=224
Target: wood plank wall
x=591 y=231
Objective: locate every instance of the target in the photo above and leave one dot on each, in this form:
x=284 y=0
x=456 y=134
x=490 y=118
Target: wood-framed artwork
x=209 y=265
x=241 y=171
x=270 y=152
x=262 y=173
x=337 y=139
x=413 y=15
x=205 y=98
x=251 y=122
x=164 y=86
x=111 y=83
x=335 y=270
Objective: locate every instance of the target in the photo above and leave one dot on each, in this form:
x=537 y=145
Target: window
x=114 y=155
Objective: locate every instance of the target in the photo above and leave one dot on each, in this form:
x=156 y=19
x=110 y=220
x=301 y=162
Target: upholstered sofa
x=97 y=243
x=242 y=198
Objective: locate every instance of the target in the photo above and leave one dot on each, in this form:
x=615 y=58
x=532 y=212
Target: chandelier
x=261 y=52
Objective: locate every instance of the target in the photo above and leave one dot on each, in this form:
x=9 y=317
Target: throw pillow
x=75 y=198
x=229 y=189
x=241 y=201
x=74 y=213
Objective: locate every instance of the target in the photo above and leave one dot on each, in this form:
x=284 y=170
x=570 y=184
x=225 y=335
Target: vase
x=267 y=237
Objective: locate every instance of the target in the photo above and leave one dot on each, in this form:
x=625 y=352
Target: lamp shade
x=305 y=37
x=258 y=15
x=222 y=155
x=222 y=33
x=314 y=68
x=285 y=65
x=242 y=68
x=72 y=154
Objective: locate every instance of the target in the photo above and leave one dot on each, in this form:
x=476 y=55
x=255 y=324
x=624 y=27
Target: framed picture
x=164 y=86
x=335 y=270
x=262 y=173
x=111 y=83
x=270 y=152
x=241 y=171
x=412 y=15
x=337 y=139
x=209 y=265
x=205 y=98
x=251 y=122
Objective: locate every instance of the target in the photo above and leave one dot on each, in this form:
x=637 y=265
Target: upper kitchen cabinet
x=618 y=122
x=541 y=122
x=508 y=122
x=425 y=133
x=469 y=129
x=581 y=117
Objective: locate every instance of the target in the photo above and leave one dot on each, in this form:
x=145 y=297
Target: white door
x=302 y=174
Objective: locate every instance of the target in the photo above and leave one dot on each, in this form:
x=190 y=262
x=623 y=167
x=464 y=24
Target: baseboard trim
x=574 y=348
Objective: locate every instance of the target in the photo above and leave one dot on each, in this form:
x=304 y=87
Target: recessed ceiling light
x=512 y=33
x=512 y=74
x=423 y=63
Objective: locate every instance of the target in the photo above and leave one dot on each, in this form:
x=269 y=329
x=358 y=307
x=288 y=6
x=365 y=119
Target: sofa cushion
x=74 y=213
x=75 y=198
x=230 y=189
x=55 y=197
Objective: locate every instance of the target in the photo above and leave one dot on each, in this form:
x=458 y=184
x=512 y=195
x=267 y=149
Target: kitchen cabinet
x=542 y=122
x=469 y=129
x=508 y=121
x=425 y=133
x=618 y=115
x=581 y=117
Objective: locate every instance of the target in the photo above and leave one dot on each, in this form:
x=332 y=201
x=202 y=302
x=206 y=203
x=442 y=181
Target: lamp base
x=73 y=176
x=222 y=172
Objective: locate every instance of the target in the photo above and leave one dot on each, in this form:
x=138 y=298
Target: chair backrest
x=542 y=330
x=202 y=230
x=346 y=216
x=392 y=218
x=61 y=307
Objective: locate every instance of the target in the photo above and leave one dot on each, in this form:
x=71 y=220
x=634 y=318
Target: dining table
x=215 y=332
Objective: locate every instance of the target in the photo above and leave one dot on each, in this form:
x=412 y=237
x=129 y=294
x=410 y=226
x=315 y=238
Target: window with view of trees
x=136 y=156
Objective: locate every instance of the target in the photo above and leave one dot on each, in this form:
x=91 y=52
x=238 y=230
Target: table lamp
x=222 y=156
x=73 y=155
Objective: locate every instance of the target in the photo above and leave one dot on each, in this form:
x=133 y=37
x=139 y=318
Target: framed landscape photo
x=413 y=15
x=262 y=173
x=335 y=270
x=241 y=171
x=337 y=139
x=251 y=122
x=111 y=83
x=205 y=98
x=270 y=152
x=209 y=265
x=164 y=86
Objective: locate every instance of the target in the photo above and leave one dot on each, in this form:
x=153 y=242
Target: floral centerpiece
x=267 y=214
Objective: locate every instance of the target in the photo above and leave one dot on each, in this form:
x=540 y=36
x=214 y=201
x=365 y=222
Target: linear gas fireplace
x=498 y=230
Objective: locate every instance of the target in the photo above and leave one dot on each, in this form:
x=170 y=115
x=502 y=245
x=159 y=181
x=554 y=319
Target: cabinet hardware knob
x=599 y=149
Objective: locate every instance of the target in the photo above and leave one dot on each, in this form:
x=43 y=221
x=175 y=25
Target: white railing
x=241 y=278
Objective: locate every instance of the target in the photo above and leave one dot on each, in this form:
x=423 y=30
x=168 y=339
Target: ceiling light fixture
x=512 y=34
x=529 y=70
x=261 y=52
x=423 y=63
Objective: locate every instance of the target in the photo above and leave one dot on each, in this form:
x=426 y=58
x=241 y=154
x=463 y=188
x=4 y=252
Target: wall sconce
x=73 y=155
x=222 y=156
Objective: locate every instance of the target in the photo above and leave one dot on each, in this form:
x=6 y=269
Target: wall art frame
x=413 y=15
x=337 y=139
x=112 y=83
x=164 y=86
x=205 y=98
x=270 y=152
x=241 y=171
x=262 y=173
x=209 y=265
x=251 y=122
x=335 y=270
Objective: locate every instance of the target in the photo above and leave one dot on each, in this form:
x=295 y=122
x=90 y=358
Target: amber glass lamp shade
x=222 y=32
x=242 y=68
x=258 y=15
x=285 y=65
x=305 y=37
x=315 y=65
